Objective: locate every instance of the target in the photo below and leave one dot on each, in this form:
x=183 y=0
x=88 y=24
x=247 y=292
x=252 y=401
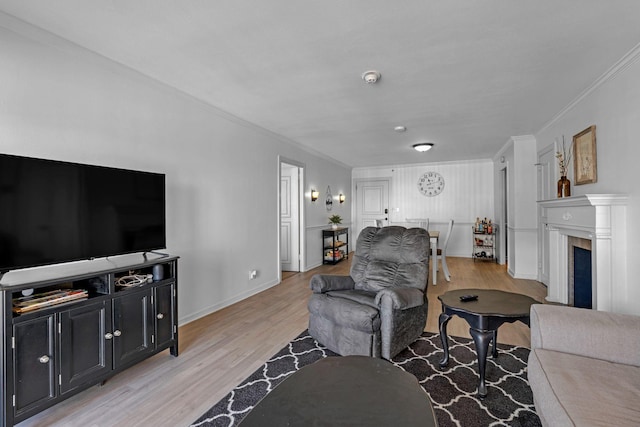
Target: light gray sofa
x=584 y=367
x=381 y=307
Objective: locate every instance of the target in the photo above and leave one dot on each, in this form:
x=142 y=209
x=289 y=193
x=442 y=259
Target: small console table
x=69 y=327
x=334 y=248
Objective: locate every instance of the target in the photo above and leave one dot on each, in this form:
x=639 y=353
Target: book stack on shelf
x=332 y=254
x=47 y=299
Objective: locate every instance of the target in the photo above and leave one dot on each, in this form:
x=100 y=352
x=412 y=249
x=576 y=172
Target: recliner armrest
x=597 y=334
x=401 y=298
x=321 y=283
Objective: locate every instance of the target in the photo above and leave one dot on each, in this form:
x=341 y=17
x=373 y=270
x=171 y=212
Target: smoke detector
x=371 y=76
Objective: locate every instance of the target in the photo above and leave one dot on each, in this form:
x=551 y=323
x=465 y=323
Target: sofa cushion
x=591 y=333
x=345 y=312
x=361 y=297
x=576 y=390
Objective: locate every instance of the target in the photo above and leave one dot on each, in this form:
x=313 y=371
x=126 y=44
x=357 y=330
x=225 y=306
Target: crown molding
x=419 y=165
x=40 y=35
x=510 y=142
x=625 y=62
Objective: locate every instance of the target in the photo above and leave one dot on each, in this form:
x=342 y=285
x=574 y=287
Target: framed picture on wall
x=585 y=164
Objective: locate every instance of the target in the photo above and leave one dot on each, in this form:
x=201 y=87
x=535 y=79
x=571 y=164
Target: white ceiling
x=465 y=74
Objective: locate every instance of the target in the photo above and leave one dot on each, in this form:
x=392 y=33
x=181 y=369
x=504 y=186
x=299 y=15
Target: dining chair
x=442 y=252
x=422 y=222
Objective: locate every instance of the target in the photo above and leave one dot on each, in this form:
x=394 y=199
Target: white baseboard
x=312 y=266
x=526 y=276
x=219 y=306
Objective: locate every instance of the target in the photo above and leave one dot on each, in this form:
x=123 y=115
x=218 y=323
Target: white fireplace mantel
x=600 y=218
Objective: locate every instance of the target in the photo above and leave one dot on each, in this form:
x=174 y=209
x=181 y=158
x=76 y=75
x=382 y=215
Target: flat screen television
x=53 y=212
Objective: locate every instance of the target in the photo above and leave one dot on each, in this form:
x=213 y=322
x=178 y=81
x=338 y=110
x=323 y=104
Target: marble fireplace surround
x=600 y=218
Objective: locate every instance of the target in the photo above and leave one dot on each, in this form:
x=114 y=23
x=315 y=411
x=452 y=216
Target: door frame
x=355 y=212
x=301 y=213
x=545 y=175
x=503 y=239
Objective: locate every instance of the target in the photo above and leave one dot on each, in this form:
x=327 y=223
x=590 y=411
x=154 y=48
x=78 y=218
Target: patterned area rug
x=452 y=390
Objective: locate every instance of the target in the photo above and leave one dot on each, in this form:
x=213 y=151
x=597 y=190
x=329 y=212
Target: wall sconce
x=314 y=195
x=341 y=198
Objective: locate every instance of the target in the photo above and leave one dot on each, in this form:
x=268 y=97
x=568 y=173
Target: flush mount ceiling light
x=400 y=128
x=371 y=76
x=423 y=146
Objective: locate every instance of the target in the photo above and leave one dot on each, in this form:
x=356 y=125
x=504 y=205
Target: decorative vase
x=334 y=226
x=564 y=187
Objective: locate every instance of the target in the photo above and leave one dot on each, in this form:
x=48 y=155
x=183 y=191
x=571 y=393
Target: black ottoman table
x=345 y=391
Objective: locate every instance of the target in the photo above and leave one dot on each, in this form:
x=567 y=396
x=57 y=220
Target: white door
x=289 y=218
x=372 y=203
x=546 y=161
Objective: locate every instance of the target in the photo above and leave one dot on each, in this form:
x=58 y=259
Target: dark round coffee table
x=345 y=391
x=484 y=316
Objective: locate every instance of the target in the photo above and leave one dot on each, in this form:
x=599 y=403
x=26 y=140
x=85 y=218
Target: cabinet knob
x=108 y=335
x=160 y=316
x=117 y=333
x=43 y=359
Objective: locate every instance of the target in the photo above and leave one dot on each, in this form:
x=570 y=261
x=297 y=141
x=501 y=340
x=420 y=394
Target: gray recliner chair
x=381 y=307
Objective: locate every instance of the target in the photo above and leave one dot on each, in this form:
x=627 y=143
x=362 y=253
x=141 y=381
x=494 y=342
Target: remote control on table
x=466 y=298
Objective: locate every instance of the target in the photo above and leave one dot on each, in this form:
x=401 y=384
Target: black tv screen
x=54 y=212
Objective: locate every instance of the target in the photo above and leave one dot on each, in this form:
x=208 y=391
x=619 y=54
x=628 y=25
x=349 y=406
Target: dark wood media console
x=54 y=348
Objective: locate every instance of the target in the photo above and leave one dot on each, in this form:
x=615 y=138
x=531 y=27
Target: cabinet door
x=85 y=345
x=132 y=327
x=164 y=315
x=34 y=363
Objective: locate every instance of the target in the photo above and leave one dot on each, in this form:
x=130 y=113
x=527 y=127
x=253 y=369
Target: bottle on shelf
x=490 y=228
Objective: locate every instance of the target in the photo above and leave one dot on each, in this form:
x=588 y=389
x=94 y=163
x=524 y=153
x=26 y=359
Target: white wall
x=59 y=101
x=468 y=194
x=613 y=105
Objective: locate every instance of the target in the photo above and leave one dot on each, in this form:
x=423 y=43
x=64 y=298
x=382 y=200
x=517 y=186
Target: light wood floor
x=218 y=351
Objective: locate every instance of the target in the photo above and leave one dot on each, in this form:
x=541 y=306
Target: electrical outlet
x=253 y=274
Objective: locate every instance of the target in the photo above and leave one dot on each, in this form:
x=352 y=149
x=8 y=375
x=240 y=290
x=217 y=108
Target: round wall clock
x=431 y=184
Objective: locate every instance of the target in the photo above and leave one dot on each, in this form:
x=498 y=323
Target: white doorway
x=372 y=203
x=291 y=237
